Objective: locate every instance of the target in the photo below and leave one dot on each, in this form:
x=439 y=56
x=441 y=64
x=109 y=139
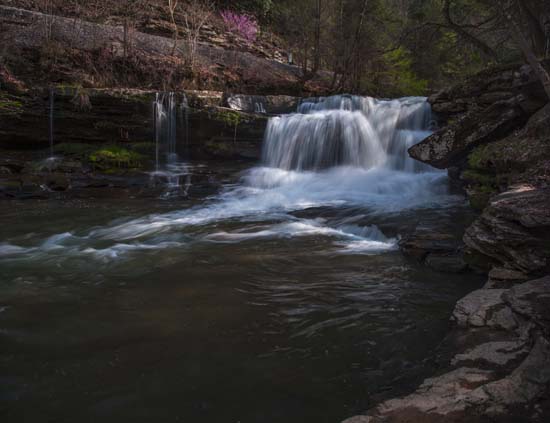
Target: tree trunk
x=528 y=52
x=348 y=61
x=482 y=46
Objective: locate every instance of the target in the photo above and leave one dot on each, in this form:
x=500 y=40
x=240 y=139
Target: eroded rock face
x=452 y=144
x=485 y=108
x=514 y=231
x=503 y=371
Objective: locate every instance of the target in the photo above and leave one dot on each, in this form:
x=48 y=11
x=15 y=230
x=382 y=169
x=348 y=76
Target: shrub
x=241 y=24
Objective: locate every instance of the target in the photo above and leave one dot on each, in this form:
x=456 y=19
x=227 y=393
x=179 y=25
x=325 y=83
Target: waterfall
x=347 y=130
x=169 y=170
x=51 y=110
x=164 y=113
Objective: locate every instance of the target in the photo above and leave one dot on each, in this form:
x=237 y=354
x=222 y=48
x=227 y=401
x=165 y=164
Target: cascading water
x=164 y=109
x=343 y=151
x=348 y=131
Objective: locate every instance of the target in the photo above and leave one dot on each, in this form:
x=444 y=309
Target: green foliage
x=400 y=75
x=228 y=117
x=116 y=157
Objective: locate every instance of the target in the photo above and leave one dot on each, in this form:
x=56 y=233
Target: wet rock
x=485 y=108
x=492 y=354
x=514 y=230
x=452 y=144
x=437 y=250
x=423 y=242
x=271 y=104
x=499 y=381
x=532 y=299
x=5 y=170
x=501 y=277
x=479 y=308
x=12 y=165
x=247 y=103
x=57 y=182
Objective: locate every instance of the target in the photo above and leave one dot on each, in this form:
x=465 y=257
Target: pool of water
x=269 y=296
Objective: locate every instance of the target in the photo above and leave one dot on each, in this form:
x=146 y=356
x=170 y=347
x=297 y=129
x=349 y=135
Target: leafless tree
x=525 y=46
x=172 y=6
x=195 y=15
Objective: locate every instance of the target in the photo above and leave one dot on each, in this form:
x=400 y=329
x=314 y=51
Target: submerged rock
x=437 y=250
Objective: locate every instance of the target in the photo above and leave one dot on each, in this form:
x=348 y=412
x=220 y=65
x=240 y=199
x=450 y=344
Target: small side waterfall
x=50 y=125
x=164 y=109
x=168 y=168
x=348 y=130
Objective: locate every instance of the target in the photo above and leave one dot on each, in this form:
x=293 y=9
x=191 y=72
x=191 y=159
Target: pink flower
x=244 y=25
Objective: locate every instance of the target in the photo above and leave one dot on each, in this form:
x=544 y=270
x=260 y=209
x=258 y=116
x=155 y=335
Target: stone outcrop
x=502 y=370
x=514 y=231
x=486 y=108
x=124 y=117
x=270 y=104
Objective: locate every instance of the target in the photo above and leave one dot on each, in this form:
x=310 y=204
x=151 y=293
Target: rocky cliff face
x=497 y=146
x=495 y=142
x=47 y=48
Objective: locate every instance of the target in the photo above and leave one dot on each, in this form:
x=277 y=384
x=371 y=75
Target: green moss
x=228 y=117
x=9 y=104
x=478 y=158
x=113 y=157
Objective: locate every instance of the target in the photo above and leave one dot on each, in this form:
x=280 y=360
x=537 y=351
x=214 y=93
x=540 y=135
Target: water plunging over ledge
x=282 y=297
x=169 y=168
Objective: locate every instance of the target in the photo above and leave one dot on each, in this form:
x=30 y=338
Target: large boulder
x=514 y=231
x=451 y=145
x=485 y=108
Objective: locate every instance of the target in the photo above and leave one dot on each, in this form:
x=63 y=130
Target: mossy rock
x=228 y=117
x=10 y=105
x=112 y=158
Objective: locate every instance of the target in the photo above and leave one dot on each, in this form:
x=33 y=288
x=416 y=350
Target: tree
x=527 y=48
